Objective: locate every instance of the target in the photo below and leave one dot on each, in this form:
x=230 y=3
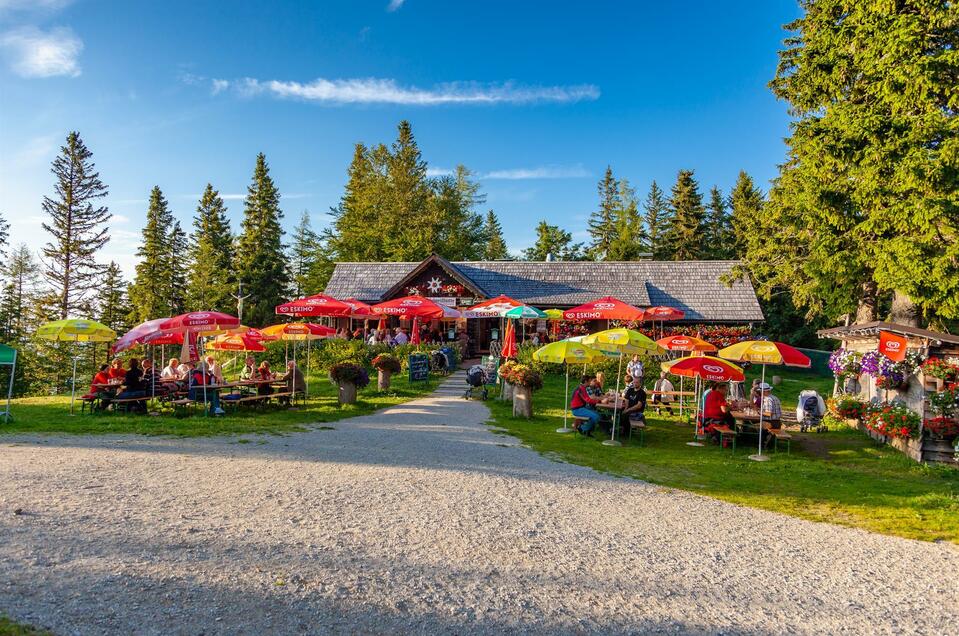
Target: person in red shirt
x=583 y=405
x=716 y=410
x=116 y=370
x=102 y=377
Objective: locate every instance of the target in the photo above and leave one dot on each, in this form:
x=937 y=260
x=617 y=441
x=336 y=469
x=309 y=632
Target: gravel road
x=420 y=520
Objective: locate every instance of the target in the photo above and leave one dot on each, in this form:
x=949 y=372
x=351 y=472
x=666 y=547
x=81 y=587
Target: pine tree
x=78 y=229
x=746 y=201
x=719 y=242
x=629 y=239
x=551 y=240
x=210 y=279
x=456 y=229
x=865 y=203
x=113 y=309
x=656 y=222
x=260 y=260
x=685 y=234
x=4 y=236
x=179 y=245
x=304 y=250
x=152 y=290
x=495 y=248
x=18 y=303
x=602 y=222
x=358 y=221
x=408 y=199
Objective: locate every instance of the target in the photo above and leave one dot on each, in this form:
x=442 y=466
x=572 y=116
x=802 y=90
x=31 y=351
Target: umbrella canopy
x=765 y=352
x=554 y=314
x=236 y=342
x=76 y=330
x=524 y=311
x=415 y=332
x=706 y=367
x=318 y=305
x=163 y=338
x=415 y=307
x=509 y=341
x=568 y=352
x=685 y=343
x=202 y=322
x=492 y=308
x=606 y=308
x=622 y=341
x=297 y=331
x=360 y=309
x=136 y=335
x=664 y=313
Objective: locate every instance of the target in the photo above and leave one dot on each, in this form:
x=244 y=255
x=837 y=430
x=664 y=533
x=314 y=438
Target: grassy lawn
x=9 y=628
x=51 y=414
x=840 y=476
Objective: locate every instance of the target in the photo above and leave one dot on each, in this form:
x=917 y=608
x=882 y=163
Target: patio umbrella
x=136 y=336
x=606 y=308
x=765 y=352
x=299 y=332
x=239 y=342
x=702 y=368
x=620 y=342
x=685 y=343
x=318 y=305
x=492 y=308
x=524 y=312
x=199 y=322
x=554 y=316
x=509 y=341
x=662 y=313
x=75 y=330
x=415 y=332
x=359 y=308
x=416 y=307
x=566 y=352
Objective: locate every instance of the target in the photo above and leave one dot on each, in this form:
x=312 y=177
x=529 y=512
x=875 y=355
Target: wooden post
x=522 y=402
x=347 y=393
x=383 y=380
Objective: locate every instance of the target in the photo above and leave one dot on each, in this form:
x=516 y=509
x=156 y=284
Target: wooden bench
x=182 y=405
x=126 y=403
x=779 y=434
x=88 y=401
x=577 y=421
x=724 y=432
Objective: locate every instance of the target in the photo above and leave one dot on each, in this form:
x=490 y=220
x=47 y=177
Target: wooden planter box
x=925 y=449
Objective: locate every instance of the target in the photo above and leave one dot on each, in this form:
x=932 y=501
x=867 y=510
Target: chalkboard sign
x=491 y=366
x=419 y=367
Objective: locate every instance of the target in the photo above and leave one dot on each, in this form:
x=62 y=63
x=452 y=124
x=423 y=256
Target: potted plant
x=348 y=377
x=847 y=408
x=893 y=421
x=887 y=374
x=386 y=365
x=525 y=381
x=941 y=370
x=505 y=370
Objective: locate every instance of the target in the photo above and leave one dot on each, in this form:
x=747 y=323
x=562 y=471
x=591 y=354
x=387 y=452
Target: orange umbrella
x=685 y=343
x=239 y=342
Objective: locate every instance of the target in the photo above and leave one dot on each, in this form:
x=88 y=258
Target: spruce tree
x=152 y=290
x=457 y=229
x=356 y=232
x=179 y=274
x=304 y=249
x=746 y=201
x=551 y=240
x=210 y=279
x=495 y=248
x=685 y=233
x=113 y=309
x=18 y=311
x=260 y=260
x=656 y=221
x=629 y=240
x=408 y=199
x=602 y=221
x=77 y=226
x=718 y=243
x=4 y=236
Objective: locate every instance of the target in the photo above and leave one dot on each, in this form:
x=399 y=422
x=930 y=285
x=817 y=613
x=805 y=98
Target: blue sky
x=535 y=97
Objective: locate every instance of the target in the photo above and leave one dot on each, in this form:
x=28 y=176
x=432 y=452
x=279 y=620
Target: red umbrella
x=318 y=305
x=200 y=321
x=360 y=309
x=706 y=367
x=415 y=307
x=163 y=338
x=662 y=313
x=685 y=343
x=509 y=341
x=492 y=308
x=415 y=332
x=136 y=336
x=606 y=308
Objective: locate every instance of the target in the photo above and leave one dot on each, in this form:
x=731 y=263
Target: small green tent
x=8 y=355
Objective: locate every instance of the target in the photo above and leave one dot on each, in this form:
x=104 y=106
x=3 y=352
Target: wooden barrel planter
x=347 y=394
x=383 y=379
x=522 y=402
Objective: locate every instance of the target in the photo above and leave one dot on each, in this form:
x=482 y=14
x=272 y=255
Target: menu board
x=491 y=366
x=419 y=367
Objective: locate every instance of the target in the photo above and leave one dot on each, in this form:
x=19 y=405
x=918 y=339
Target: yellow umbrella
x=76 y=330
x=566 y=352
x=554 y=314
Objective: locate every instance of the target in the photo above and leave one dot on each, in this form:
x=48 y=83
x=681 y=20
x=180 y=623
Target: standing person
x=663 y=385
x=635 y=410
x=248 y=370
x=635 y=368
x=583 y=405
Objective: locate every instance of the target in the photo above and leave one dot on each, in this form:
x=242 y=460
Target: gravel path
x=418 y=519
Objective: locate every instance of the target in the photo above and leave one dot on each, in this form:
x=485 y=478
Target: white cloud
x=388 y=91
x=32 y=5
x=394 y=5
x=119 y=218
x=31 y=52
x=438 y=172
x=544 y=172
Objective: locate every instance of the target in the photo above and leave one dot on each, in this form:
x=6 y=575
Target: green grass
x=50 y=414
x=9 y=628
x=840 y=476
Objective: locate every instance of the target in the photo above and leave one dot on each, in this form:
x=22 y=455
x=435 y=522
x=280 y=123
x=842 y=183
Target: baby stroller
x=810 y=410
x=476 y=378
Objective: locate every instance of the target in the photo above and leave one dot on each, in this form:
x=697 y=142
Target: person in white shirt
x=372 y=339
x=635 y=368
x=663 y=385
x=214 y=369
x=400 y=338
x=171 y=372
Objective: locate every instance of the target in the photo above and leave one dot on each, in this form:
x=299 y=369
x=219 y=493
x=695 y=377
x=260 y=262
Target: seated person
x=215 y=370
x=263 y=373
x=596 y=386
x=197 y=380
x=635 y=396
x=170 y=372
x=295 y=383
x=117 y=372
x=663 y=385
x=772 y=410
x=101 y=377
x=248 y=370
x=716 y=410
x=583 y=405
x=151 y=380
x=133 y=385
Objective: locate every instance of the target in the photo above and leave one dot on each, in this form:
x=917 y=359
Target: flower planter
x=508 y=390
x=347 y=394
x=383 y=380
x=522 y=402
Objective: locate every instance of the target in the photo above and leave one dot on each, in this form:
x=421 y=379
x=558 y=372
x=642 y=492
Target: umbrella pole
x=696 y=386
x=73 y=384
x=306 y=379
x=612 y=441
x=566 y=428
x=13 y=374
x=759 y=457
x=681 y=378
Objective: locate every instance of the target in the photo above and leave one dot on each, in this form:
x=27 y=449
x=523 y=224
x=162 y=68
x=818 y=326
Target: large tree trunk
x=904 y=311
x=868 y=303
x=522 y=402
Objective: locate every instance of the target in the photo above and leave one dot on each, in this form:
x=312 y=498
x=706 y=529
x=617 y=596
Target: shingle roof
x=693 y=286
